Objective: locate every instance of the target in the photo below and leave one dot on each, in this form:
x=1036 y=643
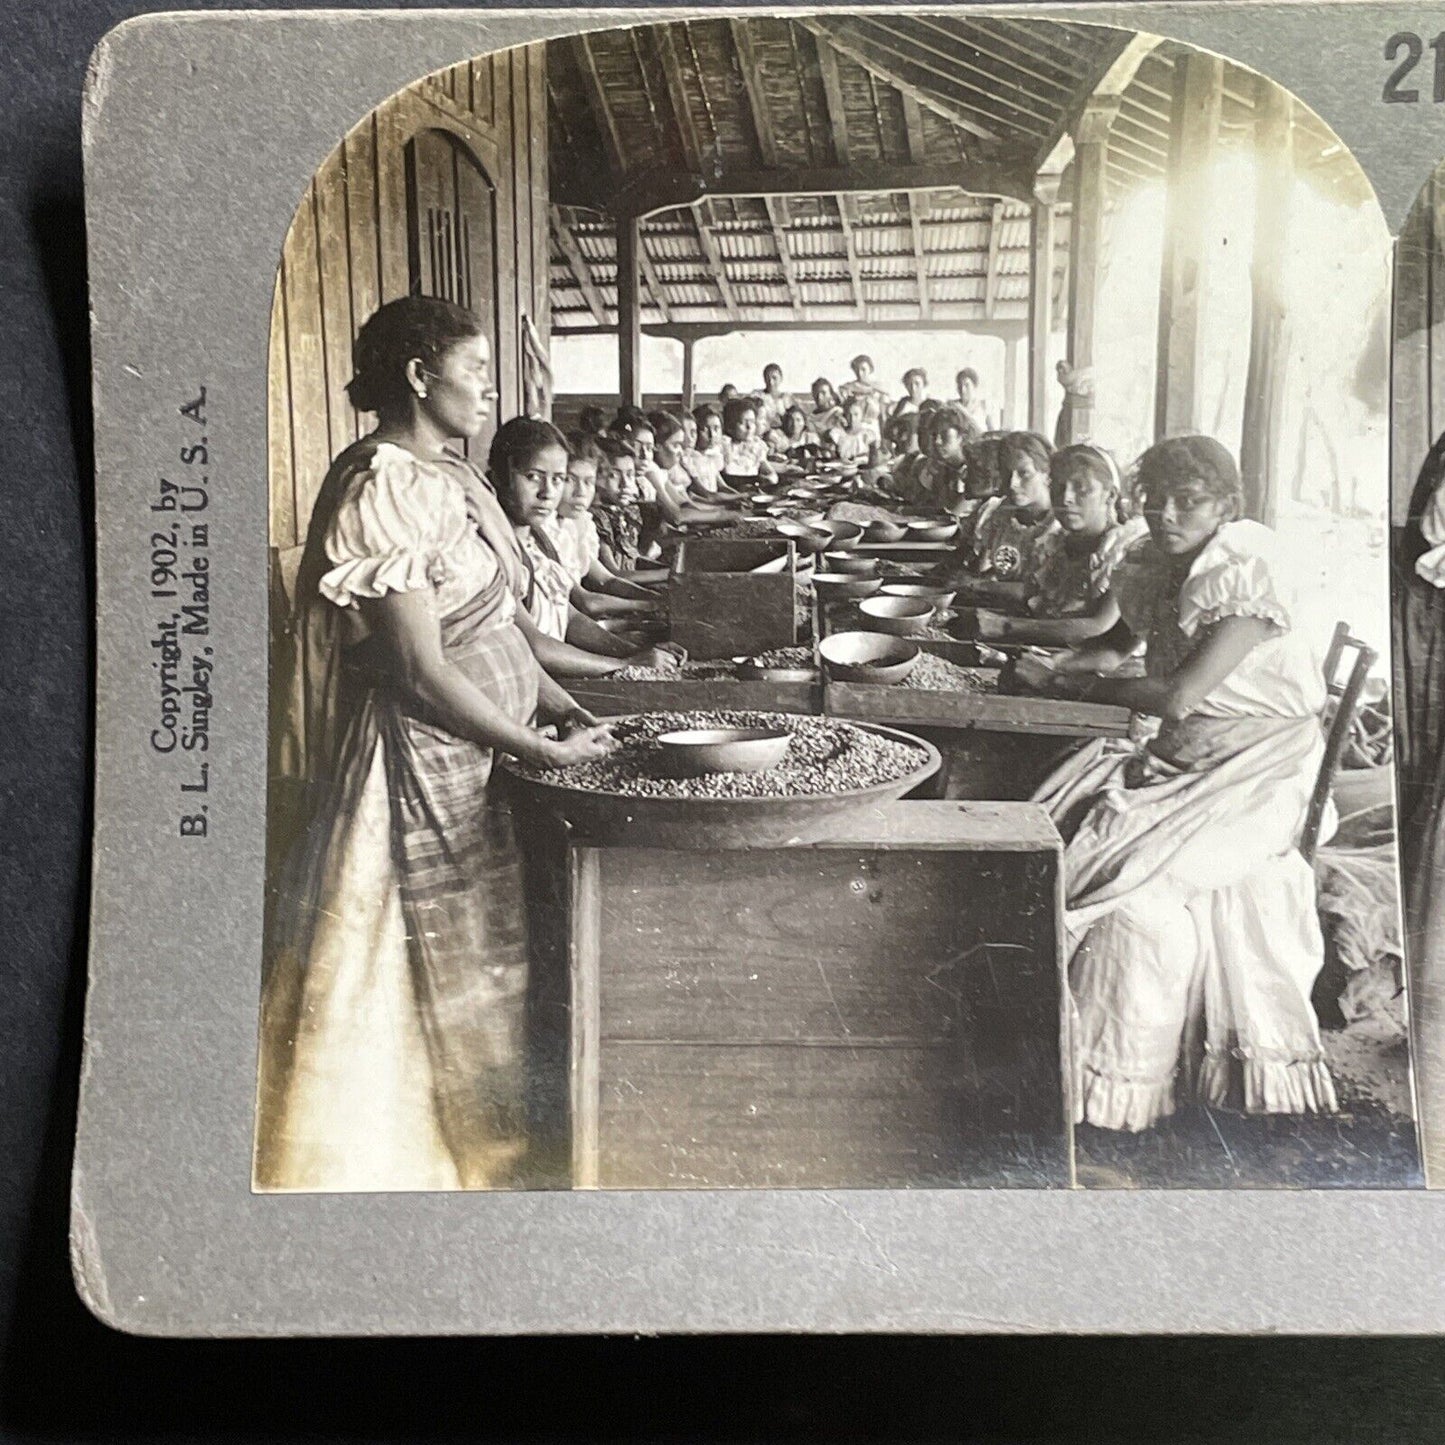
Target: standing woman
x=391 y=1049
x=1190 y=911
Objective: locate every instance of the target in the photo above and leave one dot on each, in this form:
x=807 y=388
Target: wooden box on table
x=881 y=1010
x=721 y=607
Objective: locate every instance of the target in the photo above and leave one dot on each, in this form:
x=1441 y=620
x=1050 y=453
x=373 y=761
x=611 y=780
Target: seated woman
x=902 y=460
x=942 y=477
x=596 y=590
x=710 y=443
x=745 y=453
x=827 y=410
x=1000 y=554
x=793 y=441
x=1190 y=912
x=1069 y=600
x=619 y=515
x=915 y=392
x=876 y=401
x=527 y=465
x=395 y=975
x=671 y=480
x=705 y=471
x=856 y=440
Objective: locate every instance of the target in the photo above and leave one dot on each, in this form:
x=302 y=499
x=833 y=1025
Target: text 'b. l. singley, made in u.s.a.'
x=182 y=658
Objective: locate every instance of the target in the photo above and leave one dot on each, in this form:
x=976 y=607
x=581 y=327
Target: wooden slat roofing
x=858 y=168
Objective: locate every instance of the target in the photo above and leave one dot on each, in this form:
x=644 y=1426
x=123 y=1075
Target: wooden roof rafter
x=846 y=221
x=991 y=275
x=577 y=265
x=671 y=65
x=655 y=288
x=785 y=255
x=751 y=71
x=846 y=41
x=716 y=261
x=917 y=208
x=596 y=94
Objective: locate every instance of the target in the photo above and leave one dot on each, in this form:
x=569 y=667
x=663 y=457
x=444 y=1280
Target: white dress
x=1190 y=912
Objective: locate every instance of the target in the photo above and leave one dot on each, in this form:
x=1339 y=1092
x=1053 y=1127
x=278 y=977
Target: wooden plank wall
x=1417 y=367
x=346 y=253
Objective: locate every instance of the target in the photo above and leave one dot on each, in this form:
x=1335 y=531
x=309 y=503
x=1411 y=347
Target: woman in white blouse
x=1190 y=911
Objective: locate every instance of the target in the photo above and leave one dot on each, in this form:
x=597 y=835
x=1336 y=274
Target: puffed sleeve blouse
x=402 y=525
x=1239 y=573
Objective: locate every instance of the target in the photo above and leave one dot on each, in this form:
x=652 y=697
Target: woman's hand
x=991 y=626
x=580 y=745
x=664 y=657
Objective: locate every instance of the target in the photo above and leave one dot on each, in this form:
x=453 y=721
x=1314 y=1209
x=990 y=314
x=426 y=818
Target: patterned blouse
x=1069 y=584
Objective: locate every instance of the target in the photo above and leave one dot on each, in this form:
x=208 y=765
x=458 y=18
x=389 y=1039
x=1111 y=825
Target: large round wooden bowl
x=694 y=823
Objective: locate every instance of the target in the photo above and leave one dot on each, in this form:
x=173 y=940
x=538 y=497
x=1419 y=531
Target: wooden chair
x=1346 y=693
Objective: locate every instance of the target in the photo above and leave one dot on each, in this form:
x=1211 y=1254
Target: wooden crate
x=884 y=1010
x=721 y=608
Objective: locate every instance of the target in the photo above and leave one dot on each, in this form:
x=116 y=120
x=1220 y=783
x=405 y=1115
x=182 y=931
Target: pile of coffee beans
x=691 y=671
x=825 y=756
x=938 y=674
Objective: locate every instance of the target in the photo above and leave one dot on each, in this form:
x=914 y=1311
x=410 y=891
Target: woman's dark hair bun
x=421 y=328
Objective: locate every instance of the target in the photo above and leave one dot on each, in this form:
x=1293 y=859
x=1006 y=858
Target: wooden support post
x=629 y=310
x=1086 y=248
x=1259 y=442
x=1041 y=299
x=689 y=376
x=1010 y=384
x=1194 y=135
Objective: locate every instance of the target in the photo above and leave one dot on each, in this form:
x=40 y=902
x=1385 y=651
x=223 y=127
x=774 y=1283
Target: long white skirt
x=1191 y=921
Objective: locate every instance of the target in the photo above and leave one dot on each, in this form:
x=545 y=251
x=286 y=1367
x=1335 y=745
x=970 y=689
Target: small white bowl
x=932 y=531
x=868 y=657
x=832 y=585
x=940 y=597
x=695 y=751
x=901 y=616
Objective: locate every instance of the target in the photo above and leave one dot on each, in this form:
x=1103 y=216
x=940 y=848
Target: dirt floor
x=1369 y=1144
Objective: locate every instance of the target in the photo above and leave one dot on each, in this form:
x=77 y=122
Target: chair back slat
x=1348 y=694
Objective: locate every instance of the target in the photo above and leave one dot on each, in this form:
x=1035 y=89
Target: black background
x=64 y=1377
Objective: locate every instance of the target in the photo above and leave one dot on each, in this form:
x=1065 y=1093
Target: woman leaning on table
x=391 y=1035
x=1190 y=911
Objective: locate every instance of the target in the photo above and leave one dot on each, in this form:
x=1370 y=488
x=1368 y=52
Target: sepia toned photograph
x=831 y=624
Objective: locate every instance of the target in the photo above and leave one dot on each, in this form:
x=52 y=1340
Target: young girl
x=704 y=471
x=904 y=460
x=1069 y=600
x=792 y=441
x=915 y=391
x=395 y=977
x=710 y=435
x=856 y=439
x=1191 y=915
x=745 y=453
x=596 y=591
x=670 y=481
x=874 y=398
x=772 y=400
x=827 y=413
x=942 y=477
x=1005 y=538
x=527 y=464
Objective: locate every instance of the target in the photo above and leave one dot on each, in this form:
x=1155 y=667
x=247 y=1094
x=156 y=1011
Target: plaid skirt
x=393 y=1007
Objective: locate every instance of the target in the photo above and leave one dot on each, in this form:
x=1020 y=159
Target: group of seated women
x=458 y=599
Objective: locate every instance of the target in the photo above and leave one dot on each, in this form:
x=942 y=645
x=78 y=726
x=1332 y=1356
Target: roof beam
x=597 y=103
x=990 y=280
x=917 y=207
x=833 y=100
x=661 y=188
x=753 y=87
x=666 y=48
x=1110 y=79
x=785 y=256
x=654 y=283
x=850 y=247
x=710 y=249
x=953 y=316
x=913 y=124
x=577 y=264
x=846 y=40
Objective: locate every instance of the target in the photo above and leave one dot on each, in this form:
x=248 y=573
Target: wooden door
x=451 y=232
